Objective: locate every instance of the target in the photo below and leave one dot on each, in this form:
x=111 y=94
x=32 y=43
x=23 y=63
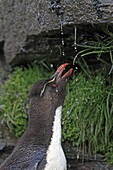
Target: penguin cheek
x=54 y=85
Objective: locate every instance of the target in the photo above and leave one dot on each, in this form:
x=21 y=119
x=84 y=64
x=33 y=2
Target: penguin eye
x=54 y=85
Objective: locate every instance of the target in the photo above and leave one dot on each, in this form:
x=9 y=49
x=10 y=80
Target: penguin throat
x=56 y=137
x=56 y=130
x=55 y=155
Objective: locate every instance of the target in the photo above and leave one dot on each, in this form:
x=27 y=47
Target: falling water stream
x=58 y=9
x=62 y=35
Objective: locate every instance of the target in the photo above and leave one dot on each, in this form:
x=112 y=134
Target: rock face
x=25 y=23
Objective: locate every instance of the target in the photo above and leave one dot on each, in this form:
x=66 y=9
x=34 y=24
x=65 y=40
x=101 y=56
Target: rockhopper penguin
x=40 y=148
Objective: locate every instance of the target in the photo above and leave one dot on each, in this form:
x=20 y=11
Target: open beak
x=59 y=72
x=59 y=75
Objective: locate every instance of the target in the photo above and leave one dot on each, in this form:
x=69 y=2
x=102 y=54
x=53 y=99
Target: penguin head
x=54 y=88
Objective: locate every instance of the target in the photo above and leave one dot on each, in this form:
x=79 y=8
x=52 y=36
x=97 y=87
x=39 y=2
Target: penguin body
x=40 y=148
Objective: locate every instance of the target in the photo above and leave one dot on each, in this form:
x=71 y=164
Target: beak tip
x=60 y=70
x=62 y=66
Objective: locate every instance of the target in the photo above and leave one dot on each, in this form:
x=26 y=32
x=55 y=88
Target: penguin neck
x=44 y=122
x=56 y=131
x=47 y=131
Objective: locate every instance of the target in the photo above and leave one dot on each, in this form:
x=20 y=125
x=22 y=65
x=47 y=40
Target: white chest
x=55 y=156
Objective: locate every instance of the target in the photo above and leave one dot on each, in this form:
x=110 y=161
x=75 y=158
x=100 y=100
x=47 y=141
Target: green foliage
x=92 y=102
x=13 y=100
x=88 y=113
x=99 y=47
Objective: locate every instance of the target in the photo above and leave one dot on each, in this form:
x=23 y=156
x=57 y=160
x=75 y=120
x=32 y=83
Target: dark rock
x=1 y=160
x=2 y=143
x=20 y=19
x=78 y=160
x=4 y=67
x=74 y=165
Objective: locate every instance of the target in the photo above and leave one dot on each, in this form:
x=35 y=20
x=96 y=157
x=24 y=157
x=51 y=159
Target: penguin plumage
x=40 y=148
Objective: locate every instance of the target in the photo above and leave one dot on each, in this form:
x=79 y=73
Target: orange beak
x=60 y=71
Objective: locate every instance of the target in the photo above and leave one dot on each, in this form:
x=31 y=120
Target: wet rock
x=74 y=165
x=4 y=67
x=20 y=19
x=2 y=143
x=78 y=160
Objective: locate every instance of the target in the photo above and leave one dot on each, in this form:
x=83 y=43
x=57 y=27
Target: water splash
x=55 y=6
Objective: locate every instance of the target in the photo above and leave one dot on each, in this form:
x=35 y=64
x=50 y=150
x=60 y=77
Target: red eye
x=54 y=85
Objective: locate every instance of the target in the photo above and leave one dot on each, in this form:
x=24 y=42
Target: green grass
x=87 y=114
x=99 y=47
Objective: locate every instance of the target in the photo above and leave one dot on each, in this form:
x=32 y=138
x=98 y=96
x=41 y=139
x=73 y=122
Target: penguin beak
x=59 y=72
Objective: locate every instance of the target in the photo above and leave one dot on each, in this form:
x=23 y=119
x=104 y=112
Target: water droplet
x=51 y=65
x=78 y=156
x=69 y=166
